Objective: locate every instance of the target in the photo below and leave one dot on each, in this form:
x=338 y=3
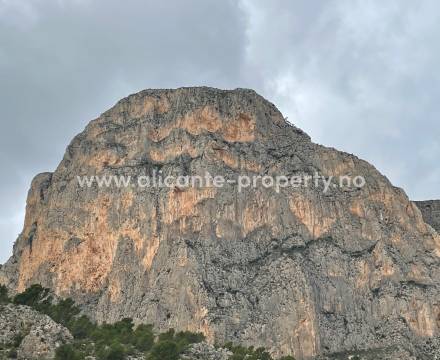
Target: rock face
x=39 y=336
x=431 y=212
x=204 y=351
x=300 y=271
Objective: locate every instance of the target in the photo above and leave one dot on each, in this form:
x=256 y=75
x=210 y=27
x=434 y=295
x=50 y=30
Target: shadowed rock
x=431 y=212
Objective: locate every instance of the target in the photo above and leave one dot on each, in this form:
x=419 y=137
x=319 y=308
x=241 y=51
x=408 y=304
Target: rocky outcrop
x=431 y=212
x=390 y=353
x=29 y=334
x=299 y=271
x=204 y=351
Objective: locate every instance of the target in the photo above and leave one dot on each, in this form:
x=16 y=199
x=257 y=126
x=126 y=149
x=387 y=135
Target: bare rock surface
x=431 y=212
x=34 y=335
x=204 y=351
x=300 y=271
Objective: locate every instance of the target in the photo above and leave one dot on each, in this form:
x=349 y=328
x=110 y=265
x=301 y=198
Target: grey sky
x=356 y=75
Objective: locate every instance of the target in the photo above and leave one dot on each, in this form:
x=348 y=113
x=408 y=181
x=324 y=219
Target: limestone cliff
x=431 y=212
x=300 y=271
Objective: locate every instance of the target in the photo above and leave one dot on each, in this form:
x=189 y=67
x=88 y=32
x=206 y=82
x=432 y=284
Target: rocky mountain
x=300 y=271
x=28 y=334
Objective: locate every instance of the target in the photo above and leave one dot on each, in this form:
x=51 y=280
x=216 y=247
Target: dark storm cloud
x=359 y=76
x=64 y=62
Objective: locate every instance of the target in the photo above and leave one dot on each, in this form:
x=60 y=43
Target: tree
x=34 y=296
x=116 y=352
x=67 y=352
x=169 y=335
x=4 y=298
x=188 y=337
x=63 y=312
x=164 y=350
x=143 y=337
x=242 y=353
x=82 y=327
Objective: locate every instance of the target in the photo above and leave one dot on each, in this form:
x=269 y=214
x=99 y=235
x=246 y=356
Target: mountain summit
x=300 y=270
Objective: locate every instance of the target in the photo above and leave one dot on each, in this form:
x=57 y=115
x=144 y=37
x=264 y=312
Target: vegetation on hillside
x=4 y=299
x=119 y=340
x=244 y=353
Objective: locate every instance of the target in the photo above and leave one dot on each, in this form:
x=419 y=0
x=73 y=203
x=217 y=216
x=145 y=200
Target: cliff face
x=298 y=271
x=431 y=212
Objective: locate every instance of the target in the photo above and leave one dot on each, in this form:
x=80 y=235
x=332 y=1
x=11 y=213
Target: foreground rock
x=204 y=351
x=300 y=271
x=391 y=353
x=29 y=334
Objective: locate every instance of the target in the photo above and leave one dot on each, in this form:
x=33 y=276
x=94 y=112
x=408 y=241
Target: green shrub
x=33 y=296
x=81 y=327
x=242 y=353
x=175 y=342
x=12 y=354
x=63 y=312
x=168 y=335
x=121 y=331
x=67 y=352
x=4 y=298
x=37 y=297
x=143 y=337
x=186 y=338
x=16 y=340
x=164 y=350
x=114 y=351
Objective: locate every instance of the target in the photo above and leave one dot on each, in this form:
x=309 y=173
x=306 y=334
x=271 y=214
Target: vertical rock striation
x=300 y=271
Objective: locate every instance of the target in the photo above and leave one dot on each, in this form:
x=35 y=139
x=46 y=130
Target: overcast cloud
x=356 y=75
